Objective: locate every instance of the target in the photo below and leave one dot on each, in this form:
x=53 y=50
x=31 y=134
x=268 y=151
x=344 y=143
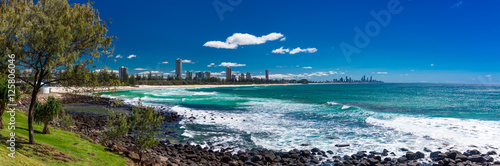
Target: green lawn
x=57 y=148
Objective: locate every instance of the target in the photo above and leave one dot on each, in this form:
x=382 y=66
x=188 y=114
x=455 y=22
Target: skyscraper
x=189 y=75
x=228 y=73
x=267 y=74
x=249 y=76
x=123 y=72
x=207 y=74
x=242 y=77
x=178 y=68
x=199 y=75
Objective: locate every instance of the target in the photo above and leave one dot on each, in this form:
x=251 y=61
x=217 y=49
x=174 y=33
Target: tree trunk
x=1 y=118
x=46 y=128
x=30 y=115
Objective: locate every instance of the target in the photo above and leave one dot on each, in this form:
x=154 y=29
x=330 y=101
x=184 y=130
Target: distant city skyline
x=423 y=41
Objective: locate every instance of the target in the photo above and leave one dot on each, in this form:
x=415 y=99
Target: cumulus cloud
x=307 y=67
x=230 y=64
x=283 y=39
x=307 y=50
x=380 y=72
x=294 y=76
x=187 y=61
x=109 y=71
x=237 y=39
x=282 y=50
x=333 y=72
x=164 y=62
x=131 y=56
x=211 y=65
x=140 y=69
x=119 y=56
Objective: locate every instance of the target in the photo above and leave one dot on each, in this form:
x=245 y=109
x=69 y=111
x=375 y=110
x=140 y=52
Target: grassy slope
x=55 y=148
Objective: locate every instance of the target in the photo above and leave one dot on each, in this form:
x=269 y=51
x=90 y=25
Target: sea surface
x=369 y=117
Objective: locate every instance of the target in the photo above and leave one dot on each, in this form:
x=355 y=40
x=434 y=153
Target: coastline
x=65 y=90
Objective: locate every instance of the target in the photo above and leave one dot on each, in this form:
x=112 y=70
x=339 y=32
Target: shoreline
x=188 y=153
x=68 y=90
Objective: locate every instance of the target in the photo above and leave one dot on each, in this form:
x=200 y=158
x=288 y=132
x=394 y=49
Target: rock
x=315 y=150
x=434 y=154
x=304 y=144
x=491 y=153
x=329 y=152
x=427 y=150
x=472 y=152
x=133 y=156
x=404 y=149
x=256 y=158
x=387 y=159
x=402 y=160
x=452 y=154
x=412 y=164
x=410 y=155
x=75 y=144
x=476 y=158
x=269 y=156
x=488 y=158
x=372 y=161
x=226 y=159
x=420 y=155
x=92 y=154
x=342 y=145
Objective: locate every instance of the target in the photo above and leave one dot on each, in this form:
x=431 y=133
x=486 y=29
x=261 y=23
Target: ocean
x=369 y=117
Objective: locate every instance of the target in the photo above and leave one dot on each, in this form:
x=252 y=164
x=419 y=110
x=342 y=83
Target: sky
x=446 y=41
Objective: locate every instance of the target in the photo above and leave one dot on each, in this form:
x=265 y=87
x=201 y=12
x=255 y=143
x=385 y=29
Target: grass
x=57 y=148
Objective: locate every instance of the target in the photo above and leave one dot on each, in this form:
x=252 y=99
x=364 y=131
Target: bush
x=66 y=120
x=47 y=112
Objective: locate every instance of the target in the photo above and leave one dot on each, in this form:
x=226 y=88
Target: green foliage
x=47 y=112
x=143 y=124
x=5 y=98
x=50 y=35
x=66 y=120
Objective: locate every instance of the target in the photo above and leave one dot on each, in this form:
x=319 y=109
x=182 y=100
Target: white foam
x=332 y=103
x=345 y=107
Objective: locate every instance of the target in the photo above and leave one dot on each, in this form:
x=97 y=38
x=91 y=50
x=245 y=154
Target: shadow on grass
x=36 y=131
x=23 y=147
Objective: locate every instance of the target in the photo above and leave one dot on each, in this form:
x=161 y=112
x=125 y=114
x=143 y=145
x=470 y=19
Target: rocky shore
x=167 y=153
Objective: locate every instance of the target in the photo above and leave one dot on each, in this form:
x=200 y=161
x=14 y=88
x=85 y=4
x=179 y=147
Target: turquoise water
x=366 y=116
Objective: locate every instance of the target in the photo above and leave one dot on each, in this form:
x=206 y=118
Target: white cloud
x=280 y=51
x=164 y=62
x=131 y=56
x=147 y=72
x=432 y=65
x=382 y=72
x=283 y=39
x=229 y=64
x=412 y=70
x=211 y=65
x=487 y=75
x=333 y=72
x=187 y=61
x=307 y=50
x=119 y=56
x=232 y=42
x=140 y=69
x=293 y=76
x=307 y=67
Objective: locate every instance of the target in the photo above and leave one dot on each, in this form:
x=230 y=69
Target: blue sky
x=448 y=41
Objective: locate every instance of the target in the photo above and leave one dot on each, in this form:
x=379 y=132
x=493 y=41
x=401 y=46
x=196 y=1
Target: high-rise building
x=123 y=72
x=233 y=77
x=242 y=77
x=207 y=74
x=189 y=75
x=199 y=75
x=178 y=68
x=228 y=73
x=249 y=76
x=267 y=74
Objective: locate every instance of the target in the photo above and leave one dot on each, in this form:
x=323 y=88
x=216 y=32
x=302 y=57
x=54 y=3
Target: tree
x=47 y=112
x=4 y=97
x=48 y=35
x=131 y=80
x=145 y=124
